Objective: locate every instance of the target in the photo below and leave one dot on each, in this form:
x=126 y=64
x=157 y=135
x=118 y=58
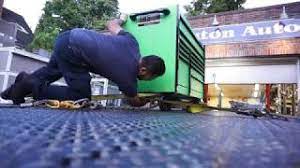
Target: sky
x=31 y=10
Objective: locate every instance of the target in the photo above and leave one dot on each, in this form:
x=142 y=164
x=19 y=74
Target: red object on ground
x=268 y=97
x=205 y=97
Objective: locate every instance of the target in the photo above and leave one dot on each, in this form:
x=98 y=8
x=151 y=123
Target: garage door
x=252 y=74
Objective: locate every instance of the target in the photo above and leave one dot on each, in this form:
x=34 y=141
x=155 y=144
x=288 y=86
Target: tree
x=200 y=7
x=61 y=15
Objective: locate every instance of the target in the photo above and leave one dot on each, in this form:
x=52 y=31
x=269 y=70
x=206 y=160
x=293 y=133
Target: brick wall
x=245 y=16
x=262 y=48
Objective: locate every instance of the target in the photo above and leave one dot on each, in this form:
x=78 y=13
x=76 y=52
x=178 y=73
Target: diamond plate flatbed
x=37 y=137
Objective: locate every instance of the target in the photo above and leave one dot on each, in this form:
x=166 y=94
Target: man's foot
x=21 y=89
x=7 y=93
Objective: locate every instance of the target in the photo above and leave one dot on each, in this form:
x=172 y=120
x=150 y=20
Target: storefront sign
x=287 y=28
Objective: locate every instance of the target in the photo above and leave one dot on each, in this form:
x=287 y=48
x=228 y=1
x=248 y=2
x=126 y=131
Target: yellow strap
x=55 y=104
x=52 y=104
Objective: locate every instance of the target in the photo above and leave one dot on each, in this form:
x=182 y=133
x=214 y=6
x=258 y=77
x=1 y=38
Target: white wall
x=252 y=74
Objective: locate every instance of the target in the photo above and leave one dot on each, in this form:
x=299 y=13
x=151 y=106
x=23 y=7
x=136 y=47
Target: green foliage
x=61 y=15
x=44 y=40
x=200 y=7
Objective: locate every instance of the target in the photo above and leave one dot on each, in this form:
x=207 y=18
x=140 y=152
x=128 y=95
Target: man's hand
x=137 y=101
x=114 y=26
x=123 y=17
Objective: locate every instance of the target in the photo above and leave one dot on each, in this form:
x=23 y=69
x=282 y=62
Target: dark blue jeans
x=63 y=63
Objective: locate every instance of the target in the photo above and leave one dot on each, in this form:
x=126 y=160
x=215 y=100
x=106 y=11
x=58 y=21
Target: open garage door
x=252 y=74
x=248 y=71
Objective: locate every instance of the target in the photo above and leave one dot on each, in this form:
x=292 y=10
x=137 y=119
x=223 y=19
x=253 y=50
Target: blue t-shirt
x=115 y=57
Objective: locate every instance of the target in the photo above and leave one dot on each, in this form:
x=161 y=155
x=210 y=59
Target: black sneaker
x=21 y=89
x=6 y=94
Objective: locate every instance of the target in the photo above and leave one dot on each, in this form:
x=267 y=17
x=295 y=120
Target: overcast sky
x=32 y=9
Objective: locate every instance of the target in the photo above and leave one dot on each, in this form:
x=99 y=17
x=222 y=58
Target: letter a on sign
x=250 y=30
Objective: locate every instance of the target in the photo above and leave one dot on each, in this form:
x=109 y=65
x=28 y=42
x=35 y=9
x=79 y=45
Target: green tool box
x=166 y=33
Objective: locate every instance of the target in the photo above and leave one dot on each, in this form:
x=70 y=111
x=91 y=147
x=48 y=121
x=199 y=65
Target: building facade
x=14 y=31
x=253 y=56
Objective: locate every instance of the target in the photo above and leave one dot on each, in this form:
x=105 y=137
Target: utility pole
x=1 y=6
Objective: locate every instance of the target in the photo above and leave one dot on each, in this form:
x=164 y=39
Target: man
x=78 y=52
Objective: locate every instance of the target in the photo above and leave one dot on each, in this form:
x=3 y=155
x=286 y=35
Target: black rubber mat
x=58 y=138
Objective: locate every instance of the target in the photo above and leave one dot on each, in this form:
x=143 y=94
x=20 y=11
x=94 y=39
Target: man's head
x=151 y=67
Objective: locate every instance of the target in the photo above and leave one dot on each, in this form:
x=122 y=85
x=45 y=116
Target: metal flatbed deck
x=115 y=138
